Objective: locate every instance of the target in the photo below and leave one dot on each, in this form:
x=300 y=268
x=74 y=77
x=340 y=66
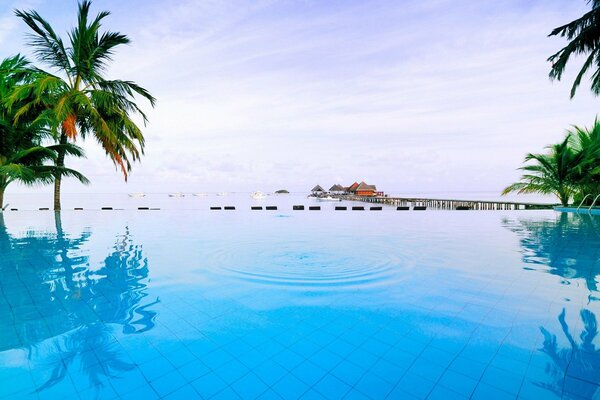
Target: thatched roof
x=364 y=187
x=317 y=188
x=336 y=188
x=352 y=188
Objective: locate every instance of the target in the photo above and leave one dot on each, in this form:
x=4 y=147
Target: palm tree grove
x=45 y=107
x=570 y=170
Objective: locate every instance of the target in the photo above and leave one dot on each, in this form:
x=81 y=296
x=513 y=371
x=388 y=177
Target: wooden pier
x=448 y=204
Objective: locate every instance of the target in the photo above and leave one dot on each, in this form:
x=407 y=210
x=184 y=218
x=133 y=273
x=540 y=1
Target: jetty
x=446 y=204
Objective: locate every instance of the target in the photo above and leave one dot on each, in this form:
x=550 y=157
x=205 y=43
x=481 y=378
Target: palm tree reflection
x=75 y=306
x=581 y=361
x=564 y=247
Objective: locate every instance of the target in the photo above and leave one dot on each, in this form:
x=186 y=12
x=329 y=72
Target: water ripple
x=306 y=264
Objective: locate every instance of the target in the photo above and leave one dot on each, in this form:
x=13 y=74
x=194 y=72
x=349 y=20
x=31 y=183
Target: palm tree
x=22 y=157
x=78 y=98
x=587 y=176
x=584 y=38
x=552 y=173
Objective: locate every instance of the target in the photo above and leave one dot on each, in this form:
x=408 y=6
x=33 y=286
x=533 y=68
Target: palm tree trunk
x=3 y=186
x=60 y=162
x=564 y=199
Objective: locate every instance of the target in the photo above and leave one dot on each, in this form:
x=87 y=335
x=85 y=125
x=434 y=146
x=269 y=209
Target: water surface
x=288 y=304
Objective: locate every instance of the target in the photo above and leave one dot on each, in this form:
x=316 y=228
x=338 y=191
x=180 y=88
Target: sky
x=420 y=96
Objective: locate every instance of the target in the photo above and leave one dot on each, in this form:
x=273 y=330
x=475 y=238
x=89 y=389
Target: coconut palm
x=76 y=96
x=551 y=173
x=22 y=157
x=587 y=176
x=584 y=38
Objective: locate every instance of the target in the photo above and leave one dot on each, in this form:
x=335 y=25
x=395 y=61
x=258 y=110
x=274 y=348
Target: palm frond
x=47 y=45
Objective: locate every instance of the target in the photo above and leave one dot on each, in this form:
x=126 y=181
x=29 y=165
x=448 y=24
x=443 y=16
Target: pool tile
x=348 y=372
x=312 y=394
x=307 y=348
x=180 y=357
x=322 y=338
x=202 y=347
x=20 y=383
x=270 y=395
x=470 y=368
x=208 y=385
x=288 y=359
x=290 y=387
x=156 y=368
x=355 y=338
x=62 y=389
x=168 y=383
x=194 y=370
x=437 y=356
x=216 y=358
x=440 y=392
x=388 y=371
x=231 y=371
x=362 y=357
x=325 y=359
x=250 y=386
x=143 y=392
x=128 y=382
x=270 y=349
x=141 y=353
x=270 y=372
x=427 y=369
x=226 y=394
x=376 y=347
x=415 y=385
x=502 y=379
x=580 y=388
x=309 y=372
x=185 y=393
x=510 y=364
x=252 y=358
x=531 y=390
x=400 y=357
x=103 y=391
x=376 y=387
x=331 y=387
x=238 y=348
x=486 y=392
x=459 y=383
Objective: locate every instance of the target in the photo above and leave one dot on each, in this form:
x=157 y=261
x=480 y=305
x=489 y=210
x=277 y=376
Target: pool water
x=288 y=304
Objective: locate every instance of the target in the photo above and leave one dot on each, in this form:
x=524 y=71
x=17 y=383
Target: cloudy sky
x=414 y=96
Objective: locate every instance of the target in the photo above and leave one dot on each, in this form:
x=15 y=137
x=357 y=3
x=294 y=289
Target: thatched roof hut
x=365 y=190
x=317 y=188
x=336 y=188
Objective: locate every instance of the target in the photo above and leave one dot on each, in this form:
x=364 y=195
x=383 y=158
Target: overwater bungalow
x=337 y=189
x=366 y=190
x=318 y=190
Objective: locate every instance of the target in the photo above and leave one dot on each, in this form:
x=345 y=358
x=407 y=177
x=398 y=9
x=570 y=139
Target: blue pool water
x=314 y=305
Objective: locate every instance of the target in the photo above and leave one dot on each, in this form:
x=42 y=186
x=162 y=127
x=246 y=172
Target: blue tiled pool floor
x=177 y=306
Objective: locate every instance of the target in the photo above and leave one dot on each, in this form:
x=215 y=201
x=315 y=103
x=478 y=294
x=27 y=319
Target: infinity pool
x=288 y=304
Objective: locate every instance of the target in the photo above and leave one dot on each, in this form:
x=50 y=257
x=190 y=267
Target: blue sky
x=414 y=96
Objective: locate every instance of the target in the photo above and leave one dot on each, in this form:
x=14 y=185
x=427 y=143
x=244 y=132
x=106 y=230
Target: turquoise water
x=357 y=305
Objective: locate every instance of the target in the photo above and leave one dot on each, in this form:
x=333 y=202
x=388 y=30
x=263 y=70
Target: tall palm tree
x=77 y=96
x=584 y=38
x=22 y=157
x=552 y=173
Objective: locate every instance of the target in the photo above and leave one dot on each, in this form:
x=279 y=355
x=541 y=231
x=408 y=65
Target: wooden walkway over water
x=448 y=204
